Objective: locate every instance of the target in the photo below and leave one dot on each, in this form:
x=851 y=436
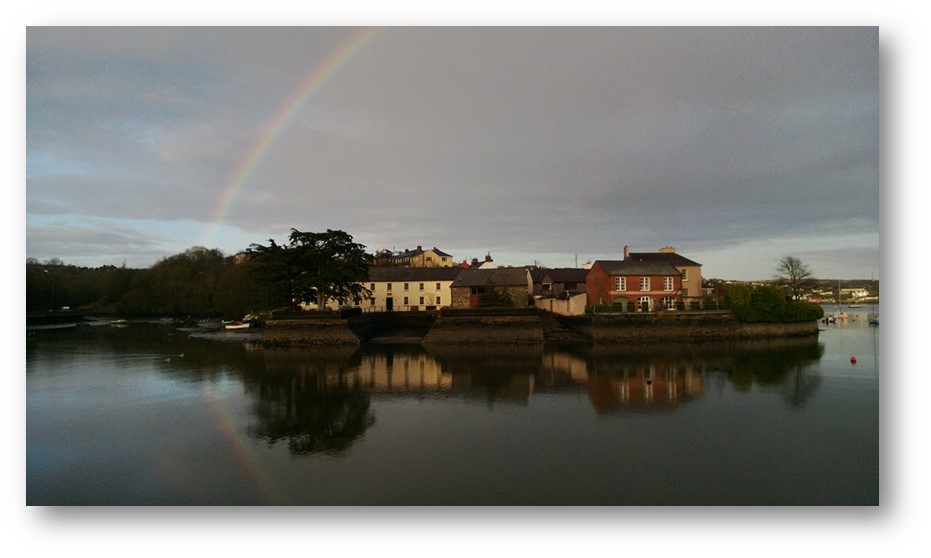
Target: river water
x=149 y=415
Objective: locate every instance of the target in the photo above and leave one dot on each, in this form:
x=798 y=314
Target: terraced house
x=409 y=288
x=649 y=281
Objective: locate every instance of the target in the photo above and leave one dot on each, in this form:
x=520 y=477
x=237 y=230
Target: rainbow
x=314 y=82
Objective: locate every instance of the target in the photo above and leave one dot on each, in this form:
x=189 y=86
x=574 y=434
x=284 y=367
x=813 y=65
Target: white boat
x=839 y=314
x=238 y=325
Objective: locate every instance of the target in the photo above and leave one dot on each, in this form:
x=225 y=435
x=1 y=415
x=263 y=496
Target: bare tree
x=794 y=274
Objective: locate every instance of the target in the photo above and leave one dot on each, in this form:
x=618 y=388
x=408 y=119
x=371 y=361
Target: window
x=421 y=286
x=685 y=292
x=405 y=301
x=644 y=304
x=421 y=300
x=669 y=303
x=389 y=287
x=667 y=283
x=644 y=283
x=437 y=301
x=685 y=275
x=372 y=288
x=620 y=283
x=547 y=286
x=406 y=286
x=372 y=301
x=437 y=286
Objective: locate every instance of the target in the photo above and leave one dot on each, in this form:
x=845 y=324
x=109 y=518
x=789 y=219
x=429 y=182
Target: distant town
x=429 y=278
x=205 y=282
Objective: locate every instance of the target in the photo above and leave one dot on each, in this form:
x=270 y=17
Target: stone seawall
x=316 y=332
x=681 y=327
x=526 y=329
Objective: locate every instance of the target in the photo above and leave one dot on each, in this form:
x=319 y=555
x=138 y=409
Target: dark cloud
x=529 y=140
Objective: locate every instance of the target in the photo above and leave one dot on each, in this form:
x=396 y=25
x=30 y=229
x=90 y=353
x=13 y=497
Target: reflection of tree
x=661 y=375
x=800 y=387
x=308 y=399
x=769 y=364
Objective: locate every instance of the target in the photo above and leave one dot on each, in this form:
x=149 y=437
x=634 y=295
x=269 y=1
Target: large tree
x=794 y=274
x=314 y=267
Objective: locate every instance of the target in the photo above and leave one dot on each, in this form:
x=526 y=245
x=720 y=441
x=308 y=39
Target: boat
x=119 y=323
x=238 y=325
x=874 y=320
x=839 y=314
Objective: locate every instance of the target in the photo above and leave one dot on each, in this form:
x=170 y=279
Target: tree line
x=310 y=267
x=204 y=282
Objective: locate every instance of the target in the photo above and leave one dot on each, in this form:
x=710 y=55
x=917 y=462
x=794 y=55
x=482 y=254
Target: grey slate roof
x=672 y=258
x=501 y=277
x=381 y=273
x=567 y=274
x=636 y=267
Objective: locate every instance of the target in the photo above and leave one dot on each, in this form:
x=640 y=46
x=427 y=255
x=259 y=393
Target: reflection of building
x=402 y=372
x=645 y=384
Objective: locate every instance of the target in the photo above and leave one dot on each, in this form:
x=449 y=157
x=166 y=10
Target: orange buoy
x=853 y=360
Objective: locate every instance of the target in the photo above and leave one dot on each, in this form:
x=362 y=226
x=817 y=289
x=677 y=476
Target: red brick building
x=648 y=285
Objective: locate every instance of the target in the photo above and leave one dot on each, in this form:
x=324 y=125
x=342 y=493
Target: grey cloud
x=535 y=139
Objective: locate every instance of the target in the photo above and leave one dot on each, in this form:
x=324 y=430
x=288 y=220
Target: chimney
x=419 y=249
x=488 y=257
x=626 y=252
x=474 y=261
x=667 y=250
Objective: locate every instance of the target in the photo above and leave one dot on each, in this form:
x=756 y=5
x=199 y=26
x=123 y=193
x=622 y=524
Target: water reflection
x=320 y=401
x=313 y=400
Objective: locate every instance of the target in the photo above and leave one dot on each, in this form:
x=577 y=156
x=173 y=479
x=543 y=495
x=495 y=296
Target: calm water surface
x=147 y=415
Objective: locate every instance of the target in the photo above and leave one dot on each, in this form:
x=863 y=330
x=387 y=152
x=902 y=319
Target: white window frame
x=644 y=284
x=620 y=283
x=668 y=284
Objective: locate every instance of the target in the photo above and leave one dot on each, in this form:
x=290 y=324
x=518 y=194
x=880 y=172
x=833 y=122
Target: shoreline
x=524 y=328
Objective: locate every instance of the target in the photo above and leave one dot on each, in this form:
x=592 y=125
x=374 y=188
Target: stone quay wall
x=526 y=329
x=681 y=327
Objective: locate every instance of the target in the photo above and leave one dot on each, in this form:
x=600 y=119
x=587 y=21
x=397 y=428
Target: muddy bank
x=317 y=332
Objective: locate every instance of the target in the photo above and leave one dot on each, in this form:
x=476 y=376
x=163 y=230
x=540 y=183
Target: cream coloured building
x=418 y=257
x=402 y=289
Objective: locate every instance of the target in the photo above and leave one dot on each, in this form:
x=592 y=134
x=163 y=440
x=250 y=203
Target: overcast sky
x=549 y=145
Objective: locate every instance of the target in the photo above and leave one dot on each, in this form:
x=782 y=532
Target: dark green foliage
x=768 y=304
x=492 y=297
x=312 y=267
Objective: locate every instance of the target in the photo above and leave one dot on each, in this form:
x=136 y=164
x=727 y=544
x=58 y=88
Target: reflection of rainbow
x=274 y=129
x=263 y=482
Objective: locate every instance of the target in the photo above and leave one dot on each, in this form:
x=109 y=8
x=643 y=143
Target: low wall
x=681 y=327
x=526 y=328
x=485 y=329
x=308 y=333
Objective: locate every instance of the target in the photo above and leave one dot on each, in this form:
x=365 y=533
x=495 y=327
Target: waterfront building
x=649 y=281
